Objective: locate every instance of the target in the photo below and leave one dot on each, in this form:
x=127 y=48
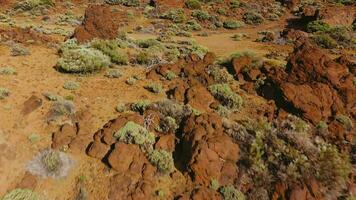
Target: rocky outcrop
x=337 y=15
x=100 y=21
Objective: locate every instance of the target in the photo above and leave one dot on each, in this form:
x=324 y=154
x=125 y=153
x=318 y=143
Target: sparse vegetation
x=193 y=4
x=7 y=71
x=325 y=41
x=201 y=15
x=318 y=26
x=31 y=5
x=133 y=133
x=19 y=50
x=140 y=106
x=230 y=193
x=168 y=125
x=345 y=121
x=21 y=194
x=175 y=15
x=50 y=163
x=111 y=49
x=113 y=73
x=154 y=87
x=130 y=3
x=4 y=93
x=252 y=17
x=162 y=159
x=71 y=85
x=82 y=60
x=224 y=94
x=232 y=24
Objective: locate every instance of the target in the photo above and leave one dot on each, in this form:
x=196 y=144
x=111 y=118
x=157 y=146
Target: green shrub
x=318 y=26
x=175 y=15
x=223 y=111
x=252 y=17
x=170 y=75
x=113 y=73
x=82 y=60
x=71 y=85
x=334 y=167
x=231 y=24
x=234 y=4
x=140 y=106
x=201 y=15
x=345 y=121
x=29 y=5
x=111 y=49
x=325 y=41
x=168 y=124
x=214 y=184
x=7 y=71
x=199 y=50
x=121 y=107
x=21 y=194
x=4 y=93
x=193 y=4
x=131 y=81
x=193 y=25
x=224 y=94
x=133 y=133
x=220 y=75
x=354 y=25
x=221 y=11
x=154 y=87
x=162 y=159
x=52 y=161
x=322 y=126
x=131 y=3
x=19 y=50
x=230 y=193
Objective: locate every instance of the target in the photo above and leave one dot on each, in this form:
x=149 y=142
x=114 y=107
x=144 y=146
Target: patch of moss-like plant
x=8 y=71
x=193 y=4
x=21 y=194
x=82 y=60
x=318 y=26
x=29 y=5
x=175 y=15
x=133 y=133
x=230 y=193
x=50 y=163
x=154 y=87
x=223 y=93
x=111 y=49
x=231 y=24
x=71 y=85
x=140 y=106
x=4 y=93
x=252 y=17
x=162 y=159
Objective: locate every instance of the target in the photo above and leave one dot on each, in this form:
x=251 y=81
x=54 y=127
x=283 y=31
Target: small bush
x=133 y=133
x=7 y=71
x=162 y=159
x=154 y=87
x=224 y=94
x=345 y=121
x=253 y=18
x=121 y=107
x=231 y=24
x=170 y=75
x=221 y=11
x=21 y=194
x=4 y=93
x=325 y=41
x=131 y=81
x=61 y=108
x=113 y=73
x=223 y=111
x=82 y=60
x=168 y=124
x=201 y=15
x=50 y=163
x=318 y=26
x=193 y=4
x=214 y=184
x=71 y=85
x=18 y=50
x=29 y=5
x=230 y=193
x=221 y=75
x=111 y=49
x=175 y=15
x=140 y=106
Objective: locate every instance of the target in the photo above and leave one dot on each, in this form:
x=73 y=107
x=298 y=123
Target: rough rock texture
x=316 y=86
x=100 y=21
x=337 y=15
x=23 y=35
x=31 y=105
x=209 y=154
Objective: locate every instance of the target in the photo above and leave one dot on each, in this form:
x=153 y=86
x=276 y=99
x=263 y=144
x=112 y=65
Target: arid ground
x=177 y=99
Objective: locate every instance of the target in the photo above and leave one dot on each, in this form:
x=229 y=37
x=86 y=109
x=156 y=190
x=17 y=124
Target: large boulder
x=100 y=21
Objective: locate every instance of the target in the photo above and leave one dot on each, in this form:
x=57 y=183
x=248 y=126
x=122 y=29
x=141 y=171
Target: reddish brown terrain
x=177 y=100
